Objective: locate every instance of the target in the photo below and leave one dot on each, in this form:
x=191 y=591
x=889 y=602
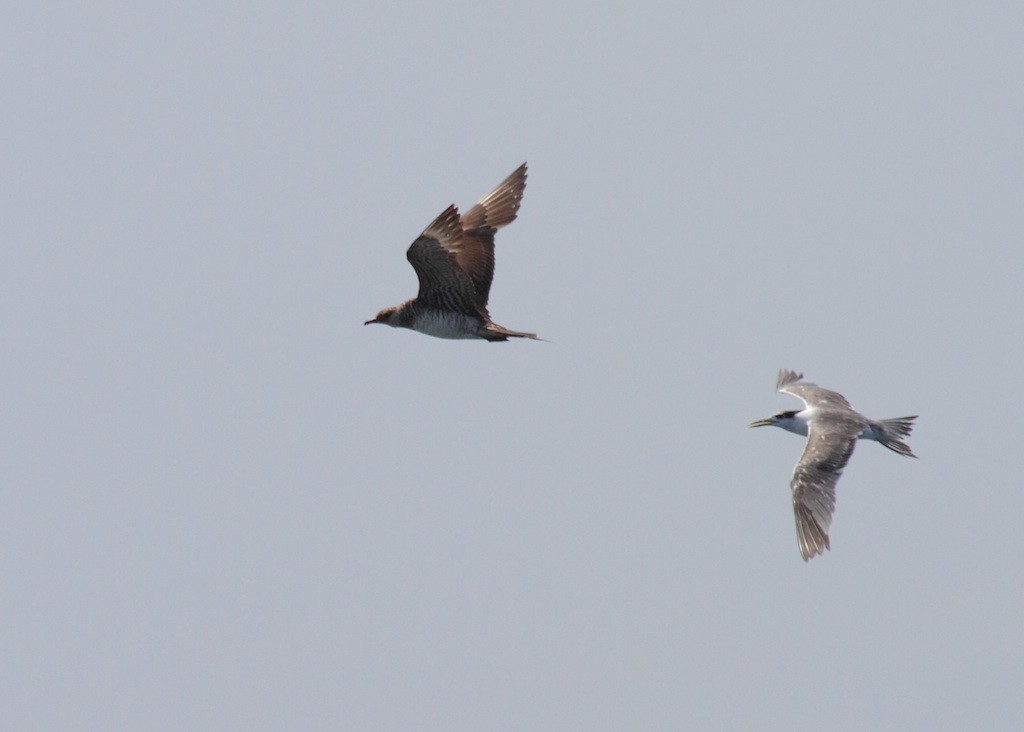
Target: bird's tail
x=495 y=332
x=891 y=431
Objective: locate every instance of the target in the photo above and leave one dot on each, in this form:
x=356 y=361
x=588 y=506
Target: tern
x=832 y=428
x=454 y=261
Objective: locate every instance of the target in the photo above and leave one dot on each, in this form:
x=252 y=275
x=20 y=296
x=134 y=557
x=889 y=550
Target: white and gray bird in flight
x=832 y=428
x=454 y=261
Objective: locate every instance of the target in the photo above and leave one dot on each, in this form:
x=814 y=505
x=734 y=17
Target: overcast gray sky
x=228 y=505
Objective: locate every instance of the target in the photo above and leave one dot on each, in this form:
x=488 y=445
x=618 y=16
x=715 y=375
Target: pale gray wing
x=443 y=283
x=830 y=444
x=789 y=382
x=787 y=377
x=500 y=206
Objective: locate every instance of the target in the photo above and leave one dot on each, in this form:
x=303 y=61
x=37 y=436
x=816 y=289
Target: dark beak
x=767 y=421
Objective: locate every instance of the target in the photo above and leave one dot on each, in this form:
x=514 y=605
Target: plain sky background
x=228 y=505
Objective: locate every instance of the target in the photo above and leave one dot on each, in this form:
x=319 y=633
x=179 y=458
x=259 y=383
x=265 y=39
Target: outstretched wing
x=475 y=253
x=500 y=206
x=826 y=453
x=812 y=395
x=454 y=256
x=444 y=283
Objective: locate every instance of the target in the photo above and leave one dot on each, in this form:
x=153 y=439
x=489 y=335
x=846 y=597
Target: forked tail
x=891 y=431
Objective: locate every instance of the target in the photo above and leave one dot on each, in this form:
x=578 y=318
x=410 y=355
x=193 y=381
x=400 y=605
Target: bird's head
x=782 y=419
x=387 y=316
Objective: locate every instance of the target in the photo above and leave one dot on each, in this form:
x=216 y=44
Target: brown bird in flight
x=454 y=261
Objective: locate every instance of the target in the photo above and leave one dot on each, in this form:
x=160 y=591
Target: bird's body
x=454 y=262
x=447 y=323
x=832 y=428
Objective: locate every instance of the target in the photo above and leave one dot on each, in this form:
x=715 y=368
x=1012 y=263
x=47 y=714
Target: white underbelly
x=446 y=325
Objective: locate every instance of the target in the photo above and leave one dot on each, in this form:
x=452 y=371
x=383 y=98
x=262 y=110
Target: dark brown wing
x=475 y=254
x=468 y=243
x=471 y=250
x=443 y=282
x=827 y=452
x=500 y=206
